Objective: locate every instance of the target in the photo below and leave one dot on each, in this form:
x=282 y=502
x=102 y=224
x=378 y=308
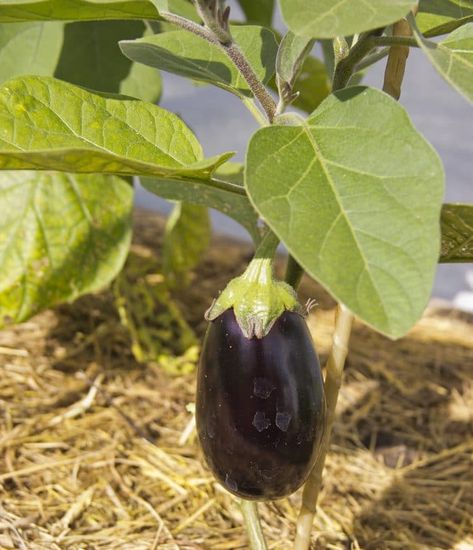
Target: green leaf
x=437 y=17
x=142 y=82
x=292 y=53
x=313 y=85
x=179 y=7
x=61 y=236
x=189 y=55
x=186 y=238
x=457 y=233
x=98 y=64
x=330 y=18
x=260 y=12
x=355 y=195
x=27 y=48
x=453 y=57
x=47 y=124
x=230 y=199
x=75 y=10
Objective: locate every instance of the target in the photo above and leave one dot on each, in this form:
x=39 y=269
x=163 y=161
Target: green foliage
x=457 y=233
x=437 y=17
x=60 y=236
x=453 y=57
x=313 y=85
x=223 y=192
x=292 y=53
x=98 y=63
x=51 y=125
x=142 y=82
x=186 y=238
x=355 y=194
x=330 y=18
x=259 y=12
x=75 y=10
x=189 y=55
x=27 y=48
x=157 y=328
x=179 y=7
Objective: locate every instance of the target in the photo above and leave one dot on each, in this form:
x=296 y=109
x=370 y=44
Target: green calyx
x=257 y=299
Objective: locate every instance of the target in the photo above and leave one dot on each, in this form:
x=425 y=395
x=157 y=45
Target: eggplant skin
x=260 y=406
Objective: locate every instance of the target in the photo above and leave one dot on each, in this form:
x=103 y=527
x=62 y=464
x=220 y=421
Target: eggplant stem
x=333 y=380
x=253 y=525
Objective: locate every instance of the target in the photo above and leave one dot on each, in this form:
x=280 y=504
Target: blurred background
x=444 y=117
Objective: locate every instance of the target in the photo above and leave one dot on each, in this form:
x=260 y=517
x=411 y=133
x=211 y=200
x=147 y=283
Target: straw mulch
x=97 y=451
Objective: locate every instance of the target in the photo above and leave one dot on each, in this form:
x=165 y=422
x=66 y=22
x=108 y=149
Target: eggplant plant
x=337 y=173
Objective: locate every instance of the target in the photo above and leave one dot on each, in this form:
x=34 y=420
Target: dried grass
x=97 y=450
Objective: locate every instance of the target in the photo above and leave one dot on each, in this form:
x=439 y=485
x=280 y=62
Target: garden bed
x=97 y=452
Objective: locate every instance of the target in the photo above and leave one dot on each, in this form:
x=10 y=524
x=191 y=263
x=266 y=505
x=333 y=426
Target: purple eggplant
x=260 y=406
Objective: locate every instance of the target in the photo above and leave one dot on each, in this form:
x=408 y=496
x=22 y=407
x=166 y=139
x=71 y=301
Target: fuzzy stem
x=333 y=380
x=211 y=22
x=253 y=526
x=256 y=86
x=235 y=54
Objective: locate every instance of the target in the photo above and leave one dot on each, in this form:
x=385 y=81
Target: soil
x=98 y=451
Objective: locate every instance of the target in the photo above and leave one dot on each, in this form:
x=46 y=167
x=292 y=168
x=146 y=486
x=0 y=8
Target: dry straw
x=97 y=451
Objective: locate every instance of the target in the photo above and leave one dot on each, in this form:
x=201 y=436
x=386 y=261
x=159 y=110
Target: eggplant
x=260 y=406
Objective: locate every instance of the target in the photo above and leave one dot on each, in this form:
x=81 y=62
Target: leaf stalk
x=233 y=52
x=253 y=525
x=333 y=380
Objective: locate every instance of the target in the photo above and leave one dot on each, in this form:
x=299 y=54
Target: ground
x=98 y=450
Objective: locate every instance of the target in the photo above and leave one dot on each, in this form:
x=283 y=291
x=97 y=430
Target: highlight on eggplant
x=260 y=406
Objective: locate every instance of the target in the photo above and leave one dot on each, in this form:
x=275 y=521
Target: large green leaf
x=453 y=57
x=75 y=10
x=61 y=236
x=189 y=55
x=355 y=194
x=260 y=12
x=12 y=11
x=230 y=199
x=27 y=48
x=457 y=233
x=437 y=17
x=98 y=63
x=186 y=238
x=48 y=124
x=330 y=18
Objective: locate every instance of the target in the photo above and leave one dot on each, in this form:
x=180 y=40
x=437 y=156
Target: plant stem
x=345 y=67
x=294 y=272
x=211 y=19
x=267 y=247
x=395 y=41
x=256 y=86
x=235 y=54
x=396 y=65
x=333 y=380
x=253 y=526
x=371 y=59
